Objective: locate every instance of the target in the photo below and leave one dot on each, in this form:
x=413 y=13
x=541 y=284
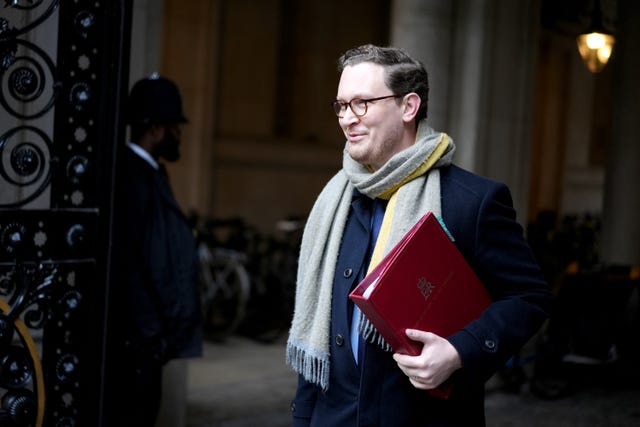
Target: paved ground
x=241 y=383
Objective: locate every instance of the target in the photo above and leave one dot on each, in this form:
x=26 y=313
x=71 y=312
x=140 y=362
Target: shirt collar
x=144 y=154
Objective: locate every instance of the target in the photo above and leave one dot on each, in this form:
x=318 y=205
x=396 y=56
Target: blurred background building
x=507 y=83
x=257 y=77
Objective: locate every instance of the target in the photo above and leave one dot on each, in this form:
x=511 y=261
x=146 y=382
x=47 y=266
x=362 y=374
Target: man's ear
x=411 y=103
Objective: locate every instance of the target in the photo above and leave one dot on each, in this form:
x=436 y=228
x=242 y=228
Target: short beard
x=169 y=148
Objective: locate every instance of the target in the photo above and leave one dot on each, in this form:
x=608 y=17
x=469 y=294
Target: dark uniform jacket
x=479 y=214
x=155 y=300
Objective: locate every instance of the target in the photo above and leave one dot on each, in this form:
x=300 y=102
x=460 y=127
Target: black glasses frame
x=339 y=107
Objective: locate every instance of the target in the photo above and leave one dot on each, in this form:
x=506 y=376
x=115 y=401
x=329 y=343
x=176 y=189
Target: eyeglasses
x=358 y=106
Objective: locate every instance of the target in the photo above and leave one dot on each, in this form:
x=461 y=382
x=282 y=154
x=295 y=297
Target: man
x=154 y=306
x=397 y=168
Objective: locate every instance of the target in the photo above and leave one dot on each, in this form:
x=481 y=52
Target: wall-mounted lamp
x=596 y=44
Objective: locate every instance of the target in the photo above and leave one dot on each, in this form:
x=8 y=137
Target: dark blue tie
x=377 y=214
x=379 y=207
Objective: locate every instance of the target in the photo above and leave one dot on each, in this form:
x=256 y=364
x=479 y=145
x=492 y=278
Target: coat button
x=293 y=407
x=339 y=340
x=490 y=344
x=347 y=272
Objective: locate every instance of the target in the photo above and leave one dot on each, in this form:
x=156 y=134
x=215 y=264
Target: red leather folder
x=423 y=283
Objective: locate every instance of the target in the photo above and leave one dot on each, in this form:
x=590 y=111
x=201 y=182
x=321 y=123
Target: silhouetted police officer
x=154 y=305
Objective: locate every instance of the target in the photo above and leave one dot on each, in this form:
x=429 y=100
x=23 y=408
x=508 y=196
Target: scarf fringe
x=313 y=367
x=370 y=334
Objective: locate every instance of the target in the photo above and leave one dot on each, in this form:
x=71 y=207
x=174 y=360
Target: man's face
x=375 y=137
x=169 y=147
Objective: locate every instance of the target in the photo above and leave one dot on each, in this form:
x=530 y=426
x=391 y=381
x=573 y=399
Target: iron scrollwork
x=38 y=303
x=46 y=251
x=26 y=292
x=55 y=169
x=26 y=166
x=29 y=87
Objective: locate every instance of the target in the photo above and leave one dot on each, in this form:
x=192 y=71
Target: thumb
x=418 y=335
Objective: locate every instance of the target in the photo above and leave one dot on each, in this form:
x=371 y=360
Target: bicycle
x=224 y=282
x=273 y=261
x=247 y=278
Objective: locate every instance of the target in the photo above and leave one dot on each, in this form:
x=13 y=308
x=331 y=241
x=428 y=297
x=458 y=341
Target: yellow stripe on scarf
x=392 y=195
x=423 y=167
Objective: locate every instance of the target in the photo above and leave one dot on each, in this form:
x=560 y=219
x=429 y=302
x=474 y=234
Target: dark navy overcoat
x=479 y=214
x=155 y=289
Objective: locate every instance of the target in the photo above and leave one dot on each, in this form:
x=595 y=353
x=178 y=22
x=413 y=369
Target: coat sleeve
x=303 y=403
x=172 y=265
x=135 y=315
x=493 y=243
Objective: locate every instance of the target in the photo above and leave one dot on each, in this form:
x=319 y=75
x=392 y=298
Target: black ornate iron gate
x=63 y=68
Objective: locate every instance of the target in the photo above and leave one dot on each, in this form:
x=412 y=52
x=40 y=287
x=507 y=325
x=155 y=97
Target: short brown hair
x=403 y=74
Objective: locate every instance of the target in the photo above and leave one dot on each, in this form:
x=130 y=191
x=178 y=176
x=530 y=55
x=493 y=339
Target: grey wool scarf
x=411 y=182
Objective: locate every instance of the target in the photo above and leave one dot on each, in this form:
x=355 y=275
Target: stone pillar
x=480 y=55
x=146 y=30
x=424 y=29
x=620 y=225
x=175 y=388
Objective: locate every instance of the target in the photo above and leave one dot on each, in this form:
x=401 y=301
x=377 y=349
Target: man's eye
x=359 y=102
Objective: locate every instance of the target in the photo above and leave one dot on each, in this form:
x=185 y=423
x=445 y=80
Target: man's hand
x=438 y=360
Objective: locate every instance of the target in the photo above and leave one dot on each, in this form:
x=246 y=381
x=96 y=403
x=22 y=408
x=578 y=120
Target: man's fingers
x=422 y=336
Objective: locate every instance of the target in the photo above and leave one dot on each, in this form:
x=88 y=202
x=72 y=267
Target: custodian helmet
x=155 y=100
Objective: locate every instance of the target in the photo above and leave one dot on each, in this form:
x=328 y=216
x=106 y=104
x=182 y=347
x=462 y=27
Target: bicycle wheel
x=224 y=291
